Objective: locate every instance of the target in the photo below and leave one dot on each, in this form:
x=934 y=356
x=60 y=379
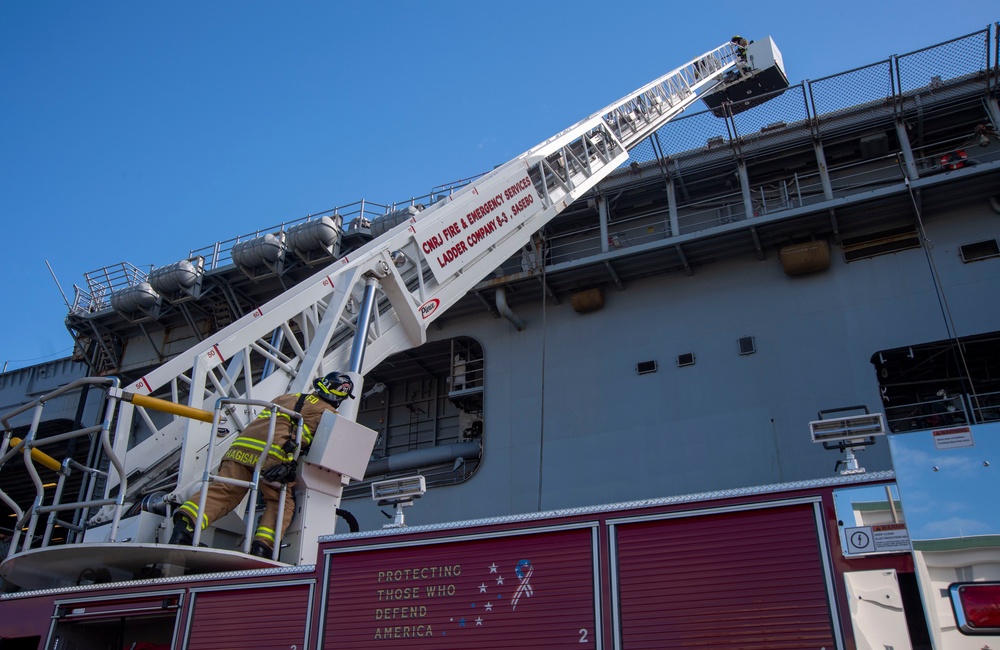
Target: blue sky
x=137 y=131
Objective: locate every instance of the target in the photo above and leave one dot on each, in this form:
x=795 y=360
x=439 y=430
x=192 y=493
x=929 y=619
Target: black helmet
x=335 y=387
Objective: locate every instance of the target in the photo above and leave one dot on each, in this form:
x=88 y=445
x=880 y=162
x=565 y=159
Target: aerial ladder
x=374 y=302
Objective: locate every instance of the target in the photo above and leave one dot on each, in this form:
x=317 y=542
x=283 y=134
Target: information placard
x=878 y=538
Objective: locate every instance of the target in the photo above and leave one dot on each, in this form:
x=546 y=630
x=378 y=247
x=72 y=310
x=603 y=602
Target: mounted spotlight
x=399 y=493
x=852 y=429
x=847 y=433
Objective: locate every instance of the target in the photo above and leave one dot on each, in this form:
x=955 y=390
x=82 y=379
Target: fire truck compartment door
x=877 y=610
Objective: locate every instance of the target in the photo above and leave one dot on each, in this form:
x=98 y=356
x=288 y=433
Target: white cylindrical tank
x=314 y=235
x=135 y=298
x=386 y=222
x=170 y=278
x=257 y=252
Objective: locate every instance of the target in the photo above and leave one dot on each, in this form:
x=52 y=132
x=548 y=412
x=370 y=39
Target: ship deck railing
x=796 y=190
x=986 y=407
x=943 y=411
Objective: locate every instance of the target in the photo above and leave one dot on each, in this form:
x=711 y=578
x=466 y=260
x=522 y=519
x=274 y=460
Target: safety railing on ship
x=220 y=253
x=796 y=190
x=986 y=407
x=943 y=411
x=103 y=282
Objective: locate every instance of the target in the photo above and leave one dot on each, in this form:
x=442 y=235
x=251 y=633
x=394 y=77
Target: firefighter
x=279 y=467
x=741 y=46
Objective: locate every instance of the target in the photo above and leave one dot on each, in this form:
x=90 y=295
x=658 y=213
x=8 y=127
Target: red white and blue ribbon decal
x=523 y=571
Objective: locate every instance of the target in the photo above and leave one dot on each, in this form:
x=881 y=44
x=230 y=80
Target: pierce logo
x=429 y=307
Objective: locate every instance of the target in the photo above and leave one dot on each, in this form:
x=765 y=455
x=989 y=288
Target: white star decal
x=482 y=588
x=493 y=568
x=489 y=607
x=479 y=621
x=499 y=580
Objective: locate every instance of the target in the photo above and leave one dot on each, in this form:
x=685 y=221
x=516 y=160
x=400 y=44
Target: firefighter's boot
x=260 y=549
x=183 y=534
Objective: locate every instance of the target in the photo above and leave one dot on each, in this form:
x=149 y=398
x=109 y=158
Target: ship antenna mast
x=58 y=286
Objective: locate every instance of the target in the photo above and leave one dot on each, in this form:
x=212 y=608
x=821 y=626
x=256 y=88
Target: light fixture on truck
x=398 y=490
x=851 y=428
x=846 y=433
x=398 y=493
x=977 y=607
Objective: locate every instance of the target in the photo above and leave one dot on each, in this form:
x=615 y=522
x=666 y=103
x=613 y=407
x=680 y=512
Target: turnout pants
x=223 y=497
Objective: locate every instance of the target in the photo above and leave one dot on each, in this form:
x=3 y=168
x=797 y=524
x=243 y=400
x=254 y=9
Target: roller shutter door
x=751 y=579
x=262 y=618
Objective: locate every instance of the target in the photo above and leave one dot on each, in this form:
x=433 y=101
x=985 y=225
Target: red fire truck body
x=760 y=568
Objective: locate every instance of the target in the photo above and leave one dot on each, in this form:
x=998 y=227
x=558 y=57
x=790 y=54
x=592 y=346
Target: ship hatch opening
x=926 y=385
x=427 y=406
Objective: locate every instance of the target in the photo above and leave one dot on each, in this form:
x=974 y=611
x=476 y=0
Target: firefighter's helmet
x=335 y=387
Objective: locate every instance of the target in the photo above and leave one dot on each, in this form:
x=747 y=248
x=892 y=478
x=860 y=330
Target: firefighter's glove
x=283 y=473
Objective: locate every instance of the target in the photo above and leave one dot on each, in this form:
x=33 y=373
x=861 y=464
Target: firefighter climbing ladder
x=380 y=299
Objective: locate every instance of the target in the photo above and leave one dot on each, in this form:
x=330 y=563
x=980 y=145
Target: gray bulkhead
x=569 y=421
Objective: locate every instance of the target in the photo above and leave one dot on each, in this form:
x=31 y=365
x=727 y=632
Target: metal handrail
x=986 y=407
x=254 y=483
x=930 y=414
x=30 y=448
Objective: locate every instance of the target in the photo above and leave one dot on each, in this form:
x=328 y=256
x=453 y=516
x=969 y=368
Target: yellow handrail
x=39 y=456
x=165 y=406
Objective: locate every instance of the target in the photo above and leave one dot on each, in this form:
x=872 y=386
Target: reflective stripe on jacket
x=307 y=434
x=248 y=447
x=246 y=451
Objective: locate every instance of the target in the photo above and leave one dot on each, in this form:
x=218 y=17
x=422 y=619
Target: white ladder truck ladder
x=380 y=299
